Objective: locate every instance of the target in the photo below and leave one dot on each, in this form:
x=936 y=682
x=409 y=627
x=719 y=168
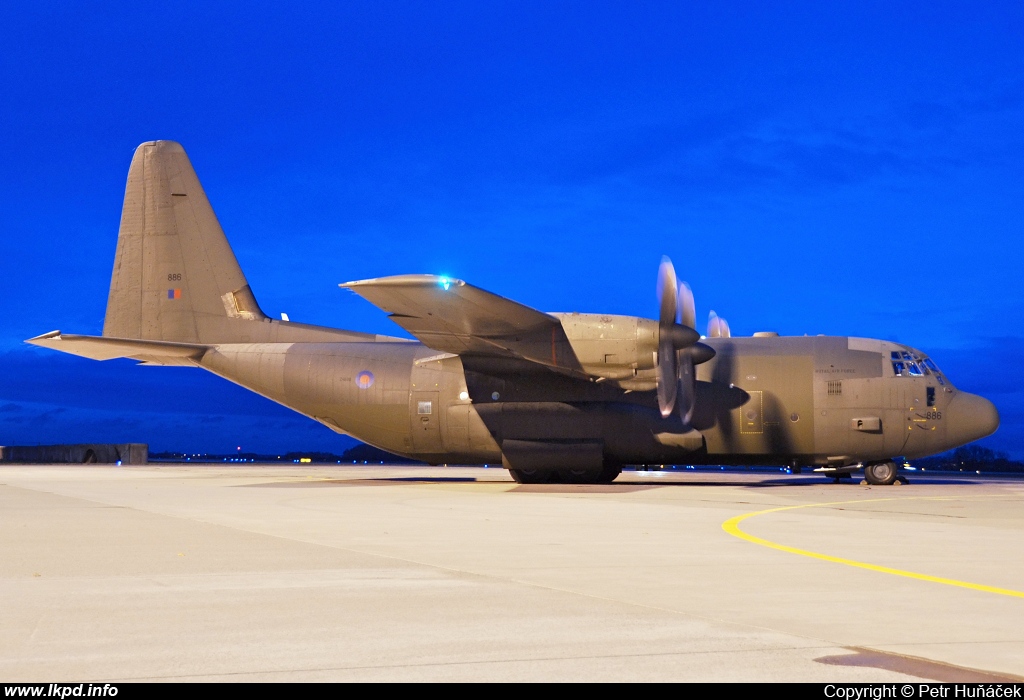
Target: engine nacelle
x=612 y=347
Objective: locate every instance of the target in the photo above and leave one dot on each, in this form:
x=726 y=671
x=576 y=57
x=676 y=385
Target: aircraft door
x=898 y=393
x=922 y=420
x=895 y=423
x=426 y=422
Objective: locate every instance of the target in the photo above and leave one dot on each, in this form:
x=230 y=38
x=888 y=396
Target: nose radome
x=970 y=417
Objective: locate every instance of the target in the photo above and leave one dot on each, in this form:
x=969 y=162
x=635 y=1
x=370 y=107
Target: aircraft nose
x=970 y=417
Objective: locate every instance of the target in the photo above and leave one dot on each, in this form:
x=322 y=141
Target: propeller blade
x=667 y=383
x=714 y=325
x=726 y=333
x=675 y=375
x=687 y=309
x=686 y=399
x=667 y=286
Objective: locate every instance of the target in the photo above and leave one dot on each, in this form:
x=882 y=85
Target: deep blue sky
x=848 y=169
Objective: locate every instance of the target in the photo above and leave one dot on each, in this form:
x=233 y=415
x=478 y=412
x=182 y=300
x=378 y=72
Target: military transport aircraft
x=554 y=397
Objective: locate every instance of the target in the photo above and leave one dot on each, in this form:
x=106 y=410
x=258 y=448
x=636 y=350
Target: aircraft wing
x=451 y=316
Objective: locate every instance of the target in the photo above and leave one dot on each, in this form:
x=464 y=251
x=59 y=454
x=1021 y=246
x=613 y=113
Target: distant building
x=97 y=453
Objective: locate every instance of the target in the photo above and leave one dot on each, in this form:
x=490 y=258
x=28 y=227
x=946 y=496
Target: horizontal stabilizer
x=156 y=352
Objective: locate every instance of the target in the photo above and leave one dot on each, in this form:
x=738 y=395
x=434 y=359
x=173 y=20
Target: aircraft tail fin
x=175 y=277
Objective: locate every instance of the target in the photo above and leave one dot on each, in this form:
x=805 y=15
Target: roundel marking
x=364 y=380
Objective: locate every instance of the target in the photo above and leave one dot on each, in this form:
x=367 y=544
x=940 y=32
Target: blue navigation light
x=445 y=283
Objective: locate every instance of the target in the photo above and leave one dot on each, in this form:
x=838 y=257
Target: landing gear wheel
x=531 y=476
x=881 y=474
x=576 y=476
x=606 y=475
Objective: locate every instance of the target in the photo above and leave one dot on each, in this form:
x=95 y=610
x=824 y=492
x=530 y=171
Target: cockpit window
x=910 y=364
x=935 y=370
x=907 y=369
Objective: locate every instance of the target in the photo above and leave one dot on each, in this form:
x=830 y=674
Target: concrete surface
x=417 y=573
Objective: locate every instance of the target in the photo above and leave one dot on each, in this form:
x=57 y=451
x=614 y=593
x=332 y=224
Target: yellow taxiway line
x=732 y=526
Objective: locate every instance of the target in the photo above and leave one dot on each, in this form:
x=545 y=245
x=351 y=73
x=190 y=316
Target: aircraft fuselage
x=763 y=400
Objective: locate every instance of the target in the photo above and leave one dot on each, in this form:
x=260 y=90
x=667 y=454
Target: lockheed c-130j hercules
x=553 y=397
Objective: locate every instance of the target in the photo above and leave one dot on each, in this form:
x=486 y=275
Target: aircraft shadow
x=620 y=486
x=320 y=483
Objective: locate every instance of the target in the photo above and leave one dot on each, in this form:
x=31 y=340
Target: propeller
x=676 y=379
x=718 y=327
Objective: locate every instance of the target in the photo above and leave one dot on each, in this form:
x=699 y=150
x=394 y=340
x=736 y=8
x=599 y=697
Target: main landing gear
x=605 y=475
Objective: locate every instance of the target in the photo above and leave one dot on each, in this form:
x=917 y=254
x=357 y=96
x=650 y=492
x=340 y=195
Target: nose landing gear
x=882 y=474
